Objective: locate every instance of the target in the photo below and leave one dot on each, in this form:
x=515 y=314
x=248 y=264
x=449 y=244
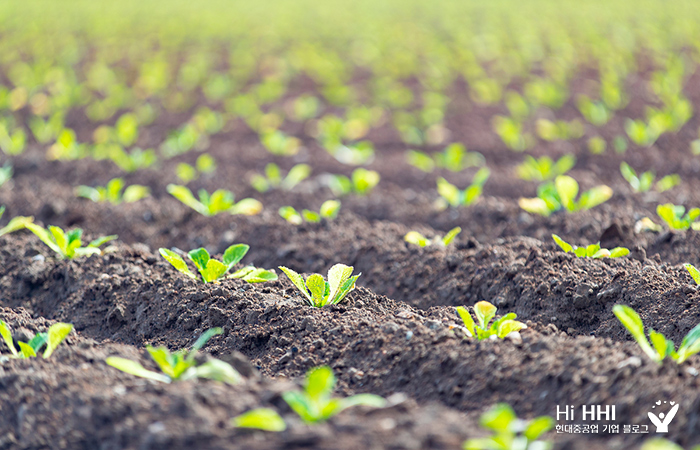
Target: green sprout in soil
x=660 y=347
x=265 y=419
x=112 y=192
x=51 y=338
x=674 y=216
x=644 y=181
x=454 y=157
x=318 y=292
x=180 y=365
x=15 y=224
x=5 y=173
x=68 y=245
x=205 y=164
x=314 y=404
x=361 y=182
x=511 y=433
x=484 y=312
x=217 y=202
x=544 y=168
x=590 y=251
x=329 y=210
x=212 y=270
x=414 y=237
x=552 y=197
x=452 y=196
x=693 y=271
x=273 y=178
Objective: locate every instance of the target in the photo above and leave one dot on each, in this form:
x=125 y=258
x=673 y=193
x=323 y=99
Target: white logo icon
x=662 y=420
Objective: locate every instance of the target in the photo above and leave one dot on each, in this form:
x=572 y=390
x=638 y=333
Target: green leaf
x=695 y=273
x=290 y=215
x=247 y=207
x=451 y=235
x=102 y=240
x=135 y=192
x=538 y=426
x=414 y=237
x=561 y=243
x=509 y=326
x=214 y=270
x=320 y=383
x=265 y=419
x=317 y=287
x=345 y=288
x=216 y=370
x=25 y=350
x=601 y=253
x=311 y=216
x=88 y=192
x=594 y=197
x=592 y=249
x=203 y=339
x=668 y=213
x=162 y=357
x=467 y=319
x=7 y=337
x=38 y=341
x=668 y=182
x=56 y=334
x=630 y=175
x=259 y=276
x=484 y=311
x=15 y=224
x=471 y=194
x=296 y=175
x=370 y=400
x=567 y=189
x=185 y=196
x=234 y=254
x=113 y=189
x=176 y=261
x=337 y=276
x=535 y=206
x=300 y=405
x=60 y=238
x=298 y=281
x=618 y=252
x=136 y=369
x=330 y=209
x=660 y=444
x=659 y=342
x=690 y=344
x=631 y=320
x=449 y=192
x=580 y=252
x=498 y=418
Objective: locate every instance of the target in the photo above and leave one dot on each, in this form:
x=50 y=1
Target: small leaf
x=25 y=350
x=451 y=235
x=290 y=215
x=594 y=197
x=337 y=276
x=265 y=419
x=311 y=216
x=176 y=261
x=371 y=400
x=7 y=337
x=216 y=370
x=538 y=426
x=580 y=252
x=563 y=244
x=449 y=192
x=320 y=382
x=618 y=252
x=509 y=326
x=631 y=320
x=300 y=405
x=56 y=334
x=38 y=341
x=535 y=206
x=317 y=287
x=259 y=276
x=329 y=209
x=214 y=270
x=414 y=237
x=102 y=240
x=135 y=192
x=200 y=258
x=234 y=254
x=203 y=339
x=498 y=418
x=567 y=189
x=298 y=281
x=695 y=273
x=136 y=369
x=484 y=313
x=467 y=319
x=690 y=344
x=247 y=207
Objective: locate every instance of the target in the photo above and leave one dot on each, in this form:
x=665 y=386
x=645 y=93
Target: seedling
x=50 y=339
x=484 y=312
x=454 y=157
x=414 y=237
x=273 y=178
x=212 y=270
x=511 y=433
x=595 y=113
x=314 y=404
x=205 y=164
x=552 y=197
x=693 y=271
x=132 y=161
x=361 y=182
x=674 y=216
x=544 y=169
x=112 y=192
x=590 y=251
x=353 y=154
x=454 y=197
x=644 y=181
x=511 y=133
x=217 y=202
x=5 y=173
x=15 y=224
x=319 y=292
x=265 y=419
x=68 y=245
x=329 y=210
x=180 y=365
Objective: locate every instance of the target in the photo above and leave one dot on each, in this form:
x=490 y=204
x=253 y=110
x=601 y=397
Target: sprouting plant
x=353 y=154
x=559 y=130
x=484 y=312
x=5 y=173
x=662 y=346
x=68 y=245
x=674 y=216
x=552 y=197
x=273 y=178
x=414 y=237
x=204 y=164
x=15 y=224
x=51 y=338
x=180 y=365
x=211 y=270
x=693 y=271
x=590 y=251
x=112 y=192
x=511 y=133
x=134 y=160
x=644 y=181
x=217 y=202
x=265 y=419
x=454 y=197
x=314 y=404
x=278 y=143
x=595 y=113
x=329 y=210
x=454 y=157
x=596 y=145
x=319 y=292
x=511 y=433
x=361 y=182
x=641 y=133
x=544 y=169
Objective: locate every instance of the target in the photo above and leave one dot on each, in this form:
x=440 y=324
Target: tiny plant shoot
x=265 y=419
x=15 y=224
x=544 y=169
x=693 y=271
x=314 y=404
x=180 y=365
x=212 y=270
x=452 y=196
x=361 y=182
x=590 y=251
x=511 y=433
x=414 y=237
x=318 y=292
x=644 y=181
x=217 y=202
x=484 y=312
x=273 y=178
x=674 y=216
x=112 y=192
x=552 y=197
x=68 y=245
x=329 y=210
x=660 y=347
x=51 y=338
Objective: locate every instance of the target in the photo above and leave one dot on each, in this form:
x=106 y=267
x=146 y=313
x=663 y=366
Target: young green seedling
x=660 y=347
x=484 y=312
x=217 y=202
x=68 y=245
x=15 y=224
x=273 y=178
x=591 y=251
x=329 y=210
x=511 y=433
x=180 y=365
x=5 y=173
x=112 y=192
x=205 y=164
x=454 y=157
x=50 y=338
x=414 y=237
x=674 y=218
x=361 y=182
x=452 y=196
x=544 y=169
x=314 y=404
x=318 y=292
x=644 y=181
x=212 y=270
x=265 y=419
x=693 y=271
x=552 y=197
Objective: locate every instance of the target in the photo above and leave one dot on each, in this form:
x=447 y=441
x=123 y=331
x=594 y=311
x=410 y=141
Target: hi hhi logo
x=588 y=412
x=663 y=419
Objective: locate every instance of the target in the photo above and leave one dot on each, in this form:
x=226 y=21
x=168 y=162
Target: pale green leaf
x=136 y=369
x=56 y=334
x=265 y=419
x=298 y=281
x=176 y=261
x=563 y=244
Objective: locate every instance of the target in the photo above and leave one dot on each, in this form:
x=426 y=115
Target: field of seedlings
x=392 y=224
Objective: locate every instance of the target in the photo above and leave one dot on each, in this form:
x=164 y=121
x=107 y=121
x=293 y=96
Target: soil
x=396 y=335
